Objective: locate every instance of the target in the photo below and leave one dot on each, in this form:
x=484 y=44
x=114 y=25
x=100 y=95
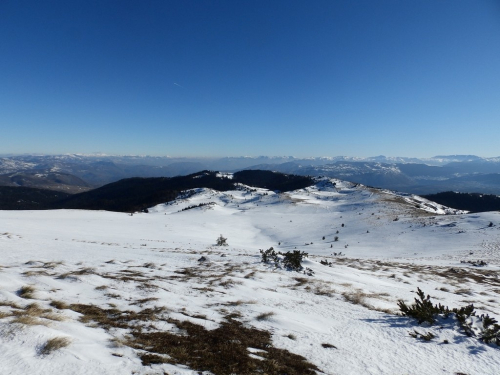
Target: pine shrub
x=485 y=328
x=293 y=260
x=270 y=256
x=221 y=241
x=290 y=260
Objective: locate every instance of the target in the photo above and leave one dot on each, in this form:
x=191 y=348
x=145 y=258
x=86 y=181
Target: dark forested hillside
x=473 y=202
x=135 y=194
x=272 y=180
x=25 y=198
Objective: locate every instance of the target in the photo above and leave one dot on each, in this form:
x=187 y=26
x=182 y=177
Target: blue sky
x=231 y=78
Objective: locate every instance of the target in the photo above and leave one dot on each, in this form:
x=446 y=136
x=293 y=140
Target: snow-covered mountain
x=466 y=173
x=95 y=292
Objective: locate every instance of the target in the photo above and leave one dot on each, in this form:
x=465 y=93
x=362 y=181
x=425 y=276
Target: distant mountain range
x=74 y=173
x=470 y=176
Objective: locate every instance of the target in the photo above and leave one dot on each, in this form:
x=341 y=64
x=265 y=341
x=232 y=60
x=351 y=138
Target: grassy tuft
x=60 y=305
x=54 y=344
x=28 y=320
x=26 y=292
x=265 y=316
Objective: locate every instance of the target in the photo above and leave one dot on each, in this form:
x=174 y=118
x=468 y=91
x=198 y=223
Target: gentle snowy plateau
x=342 y=316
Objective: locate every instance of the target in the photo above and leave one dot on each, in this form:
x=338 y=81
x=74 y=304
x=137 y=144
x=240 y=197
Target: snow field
x=340 y=318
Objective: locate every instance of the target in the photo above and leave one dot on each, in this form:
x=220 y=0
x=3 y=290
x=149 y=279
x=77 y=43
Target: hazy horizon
x=102 y=154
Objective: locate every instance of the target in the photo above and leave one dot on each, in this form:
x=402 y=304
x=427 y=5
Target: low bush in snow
x=54 y=344
x=293 y=260
x=221 y=241
x=269 y=256
x=289 y=260
x=483 y=327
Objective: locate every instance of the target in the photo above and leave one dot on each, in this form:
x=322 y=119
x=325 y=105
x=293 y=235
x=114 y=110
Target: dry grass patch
x=477 y=276
x=324 y=290
x=37 y=273
x=206 y=289
x=300 y=281
x=80 y=272
x=464 y=291
x=127 y=275
x=54 y=344
x=35 y=311
x=113 y=295
x=29 y=321
x=321 y=288
x=51 y=265
x=147 y=287
x=239 y=303
x=229 y=283
x=265 y=316
x=195 y=316
x=143 y=301
x=149 y=359
x=32 y=262
x=84 y=271
x=54 y=316
x=26 y=292
x=9 y=304
x=132 y=272
x=224 y=351
x=234 y=315
x=358 y=297
x=116 y=342
x=250 y=275
x=186 y=273
x=114 y=318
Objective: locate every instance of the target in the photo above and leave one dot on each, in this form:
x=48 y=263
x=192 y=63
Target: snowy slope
x=339 y=316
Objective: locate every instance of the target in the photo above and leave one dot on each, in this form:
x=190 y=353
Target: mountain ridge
x=466 y=173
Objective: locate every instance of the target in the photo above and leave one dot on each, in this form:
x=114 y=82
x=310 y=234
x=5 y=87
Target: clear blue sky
x=230 y=78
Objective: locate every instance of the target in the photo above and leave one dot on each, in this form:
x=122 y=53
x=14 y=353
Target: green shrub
x=221 y=241
x=487 y=329
x=423 y=310
x=269 y=256
x=293 y=260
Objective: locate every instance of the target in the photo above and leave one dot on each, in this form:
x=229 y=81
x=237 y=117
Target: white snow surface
x=388 y=245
